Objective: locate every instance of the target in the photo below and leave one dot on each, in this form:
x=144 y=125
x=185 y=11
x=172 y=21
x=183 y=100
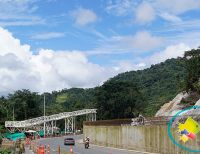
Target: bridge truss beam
x=50 y=121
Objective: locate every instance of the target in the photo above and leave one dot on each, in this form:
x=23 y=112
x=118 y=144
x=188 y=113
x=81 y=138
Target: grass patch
x=62 y=98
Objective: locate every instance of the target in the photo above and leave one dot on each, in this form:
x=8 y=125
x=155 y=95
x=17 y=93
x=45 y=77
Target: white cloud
x=18 y=13
x=8 y=44
x=53 y=70
x=22 y=22
x=17 y=6
x=7 y=61
x=120 y=7
x=187 y=25
x=83 y=16
x=141 y=42
x=48 y=70
x=124 y=66
x=99 y=34
x=145 y=13
x=170 y=17
x=171 y=10
x=177 y=6
x=145 y=41
x=46 y=36
x=172 y=51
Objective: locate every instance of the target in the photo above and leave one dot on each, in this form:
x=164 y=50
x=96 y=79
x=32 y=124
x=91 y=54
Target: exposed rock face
x=171 y=108
x=174 y=106
x=197 y=103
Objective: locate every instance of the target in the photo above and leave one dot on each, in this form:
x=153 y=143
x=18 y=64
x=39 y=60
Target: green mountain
x=142 y=91
x=159 y=83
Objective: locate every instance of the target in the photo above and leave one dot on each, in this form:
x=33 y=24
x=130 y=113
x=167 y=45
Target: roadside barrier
x=13 y=146
x=27 y=141
x=6 y=144
x=59 y=149
x=71 y=150
x=30 y=147
x=48 y=149
x=41 y=150
x=34 y=146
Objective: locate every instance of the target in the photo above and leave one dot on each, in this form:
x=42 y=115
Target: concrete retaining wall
x=142 y=138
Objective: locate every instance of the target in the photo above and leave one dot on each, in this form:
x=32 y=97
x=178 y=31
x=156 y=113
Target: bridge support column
x=65 y=126
x=72 y=126
x=44 y=129
x=91 y=117
x=74 y=129
x=52 y=127
x=69 y=125
x=47 y=127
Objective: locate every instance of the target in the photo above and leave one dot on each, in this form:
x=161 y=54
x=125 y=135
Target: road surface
x=79 y=147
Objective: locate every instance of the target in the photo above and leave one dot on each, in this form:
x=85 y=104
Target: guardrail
x=47 y=149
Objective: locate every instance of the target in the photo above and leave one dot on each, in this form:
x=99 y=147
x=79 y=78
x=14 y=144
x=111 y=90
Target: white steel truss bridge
x=49 y=122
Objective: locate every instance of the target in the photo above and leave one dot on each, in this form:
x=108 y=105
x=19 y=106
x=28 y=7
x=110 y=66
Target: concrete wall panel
x=152 y=138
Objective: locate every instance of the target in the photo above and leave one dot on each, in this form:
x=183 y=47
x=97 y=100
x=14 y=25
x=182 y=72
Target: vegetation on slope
x=192 y=59
x=118 y=99
x=159 y=83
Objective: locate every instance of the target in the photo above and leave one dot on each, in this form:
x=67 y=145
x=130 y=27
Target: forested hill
x=142 y=91
x=159 y=83
x=126 y=94
x=123 y=96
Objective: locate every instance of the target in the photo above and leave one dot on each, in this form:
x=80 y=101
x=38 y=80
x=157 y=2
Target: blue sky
x=110 y=36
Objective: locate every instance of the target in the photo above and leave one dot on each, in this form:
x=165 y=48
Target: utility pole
x=44 y=117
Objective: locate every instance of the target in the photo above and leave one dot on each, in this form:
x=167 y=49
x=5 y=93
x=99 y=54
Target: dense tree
x=159 y=84
x=26 y=104
x=192 y=59
x=4 y=110
x=118 y=99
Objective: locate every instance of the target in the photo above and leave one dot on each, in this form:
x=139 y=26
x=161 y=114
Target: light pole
x=44 y=117
x=13 y=112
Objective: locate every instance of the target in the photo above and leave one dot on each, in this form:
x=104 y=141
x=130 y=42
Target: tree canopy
x=118 y=99
x=192 y=59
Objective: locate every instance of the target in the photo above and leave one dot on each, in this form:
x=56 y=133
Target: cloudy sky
x=49 y=45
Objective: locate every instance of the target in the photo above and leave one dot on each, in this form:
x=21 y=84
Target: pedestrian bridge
x=50 y=121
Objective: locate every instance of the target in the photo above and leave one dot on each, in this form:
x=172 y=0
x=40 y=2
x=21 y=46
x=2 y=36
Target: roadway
x=79 y=147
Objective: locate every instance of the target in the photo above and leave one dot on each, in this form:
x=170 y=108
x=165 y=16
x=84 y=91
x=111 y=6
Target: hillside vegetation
x=159 y=83
x=123 y=96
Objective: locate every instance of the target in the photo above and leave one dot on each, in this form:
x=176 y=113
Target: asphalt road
x=79 y=147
